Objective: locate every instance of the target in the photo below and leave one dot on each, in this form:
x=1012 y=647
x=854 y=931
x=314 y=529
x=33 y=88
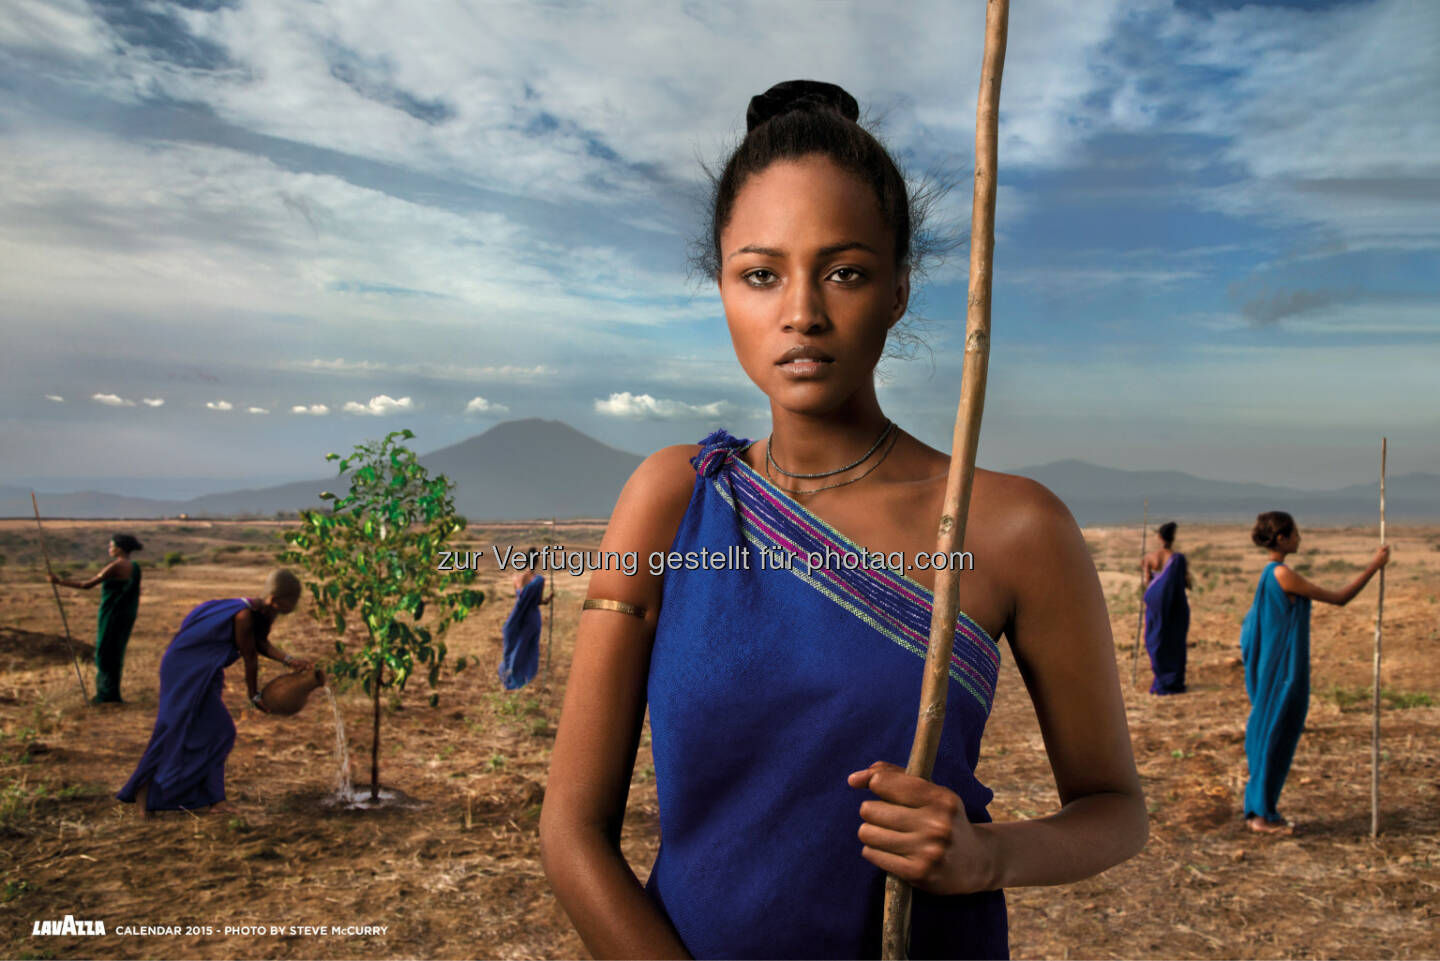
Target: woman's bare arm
x=109 y=572
x=1293 y=583
x=1060 y=634
x=245 y=641
x=599 y=731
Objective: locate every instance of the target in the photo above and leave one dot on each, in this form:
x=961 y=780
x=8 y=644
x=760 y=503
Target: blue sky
x=237 y=234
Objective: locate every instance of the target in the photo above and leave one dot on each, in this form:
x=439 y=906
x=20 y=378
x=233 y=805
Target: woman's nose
x=804 y=310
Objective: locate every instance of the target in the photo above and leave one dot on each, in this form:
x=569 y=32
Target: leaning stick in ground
x=896 y=927
x=550 y=617
x=84 y=694
x=1140 y=629
x=1375 y=704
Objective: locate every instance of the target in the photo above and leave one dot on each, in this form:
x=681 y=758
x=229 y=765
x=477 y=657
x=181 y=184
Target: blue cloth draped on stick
x=767 y=687
x=1275 y=645
x=1167 y=622
x=184 y=763
x=520 y=655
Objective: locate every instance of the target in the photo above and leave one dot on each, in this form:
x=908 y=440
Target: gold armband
x=620 y=607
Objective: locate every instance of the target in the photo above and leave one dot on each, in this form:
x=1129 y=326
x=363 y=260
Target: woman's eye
x=759 y=277
x=846 y=275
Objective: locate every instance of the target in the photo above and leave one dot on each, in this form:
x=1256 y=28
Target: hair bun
x=799 y=95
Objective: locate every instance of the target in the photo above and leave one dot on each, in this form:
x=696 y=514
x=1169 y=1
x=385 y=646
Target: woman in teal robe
x=119 y=603
x=1275 y=647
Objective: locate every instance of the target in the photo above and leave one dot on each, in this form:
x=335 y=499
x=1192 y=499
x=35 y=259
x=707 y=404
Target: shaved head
x=282 y=585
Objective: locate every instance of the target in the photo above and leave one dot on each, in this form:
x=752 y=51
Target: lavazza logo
x=69 y=926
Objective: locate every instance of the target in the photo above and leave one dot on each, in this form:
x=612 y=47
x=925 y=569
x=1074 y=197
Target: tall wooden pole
x=895 y=935
x=550 y=626
x=70 y=641
x=1140 y=629
x=1375 y=705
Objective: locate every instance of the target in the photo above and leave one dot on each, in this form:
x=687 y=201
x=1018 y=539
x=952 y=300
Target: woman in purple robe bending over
x=780 y=645
x=183 y=767
x=1167 y=612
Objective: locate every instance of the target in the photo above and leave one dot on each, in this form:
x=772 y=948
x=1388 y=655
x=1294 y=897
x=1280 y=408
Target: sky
x=236 y=235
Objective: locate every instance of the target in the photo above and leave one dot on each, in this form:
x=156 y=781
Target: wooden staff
x=961 y=479
x=550 y=625
x=1375 y=704
x=84 y=694
x=1140 y=630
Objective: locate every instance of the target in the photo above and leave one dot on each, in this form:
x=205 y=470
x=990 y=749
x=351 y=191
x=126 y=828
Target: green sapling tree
x=372 y=557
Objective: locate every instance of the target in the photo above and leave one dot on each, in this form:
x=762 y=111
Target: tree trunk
x=375 y=741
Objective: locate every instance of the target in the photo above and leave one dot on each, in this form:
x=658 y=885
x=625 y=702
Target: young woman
x=119 y=604
x=183 y=767
x=782 y=696
x=1167 y=612
x=1275 y=646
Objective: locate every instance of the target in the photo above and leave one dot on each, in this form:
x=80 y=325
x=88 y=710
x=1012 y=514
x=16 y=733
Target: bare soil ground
x=457 y=874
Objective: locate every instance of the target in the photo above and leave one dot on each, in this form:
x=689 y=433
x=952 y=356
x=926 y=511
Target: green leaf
x=339 y=624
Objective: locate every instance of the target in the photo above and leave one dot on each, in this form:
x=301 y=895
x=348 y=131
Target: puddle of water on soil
x=358 y=799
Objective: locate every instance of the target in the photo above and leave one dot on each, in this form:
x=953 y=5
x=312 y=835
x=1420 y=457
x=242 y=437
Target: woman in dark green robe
x=119 y=603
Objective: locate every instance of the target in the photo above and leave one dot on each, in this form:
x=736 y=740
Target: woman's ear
x=902 y=296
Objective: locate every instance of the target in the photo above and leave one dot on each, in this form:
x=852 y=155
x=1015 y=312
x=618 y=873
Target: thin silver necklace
x=815 y=490
x=884 y=433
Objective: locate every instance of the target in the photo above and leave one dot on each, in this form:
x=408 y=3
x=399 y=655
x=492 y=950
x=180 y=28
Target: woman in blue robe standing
x=1167 y=612
x=1275 y=647
x=776 y=632
x=520 y=650
x=183 y=767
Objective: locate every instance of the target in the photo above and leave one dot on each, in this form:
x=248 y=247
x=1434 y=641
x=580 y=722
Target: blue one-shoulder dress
x=1275 y=646
x=520 y=650
x=1167 y=626
x=184 y=763
x=768 y=685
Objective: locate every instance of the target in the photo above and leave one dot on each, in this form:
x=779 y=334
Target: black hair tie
x=813 y=95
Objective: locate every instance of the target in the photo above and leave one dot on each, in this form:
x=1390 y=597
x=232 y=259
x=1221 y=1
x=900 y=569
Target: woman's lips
x=805 y=363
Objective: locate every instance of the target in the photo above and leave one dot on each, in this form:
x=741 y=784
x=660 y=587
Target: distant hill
x=535 y=468
x=1101 y=495
x=516 y=470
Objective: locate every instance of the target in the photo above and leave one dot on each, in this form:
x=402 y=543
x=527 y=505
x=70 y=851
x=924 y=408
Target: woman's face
x=1290 y=543
x=112 y=550
x=809 y=283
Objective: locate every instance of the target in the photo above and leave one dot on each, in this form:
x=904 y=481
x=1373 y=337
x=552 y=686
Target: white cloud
x=1333 y=115
x=514 y=372
x=479 y=405
x=644 y=407
x=112 y=400
x=341 y=364
x=314 y=410
x=153 y=401
x=56 y=398
x=257 y=410
x=219 y=405
x=379 y=406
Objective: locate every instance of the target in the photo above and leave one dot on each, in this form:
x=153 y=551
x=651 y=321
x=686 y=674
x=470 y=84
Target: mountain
x=1102 y=495
x=534 y=468
x=515 y=471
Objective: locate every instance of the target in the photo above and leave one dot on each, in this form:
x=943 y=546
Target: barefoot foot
x=1261 y=826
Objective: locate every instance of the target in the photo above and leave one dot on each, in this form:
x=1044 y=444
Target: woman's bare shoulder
x=654 y=498
x=1018 y=511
